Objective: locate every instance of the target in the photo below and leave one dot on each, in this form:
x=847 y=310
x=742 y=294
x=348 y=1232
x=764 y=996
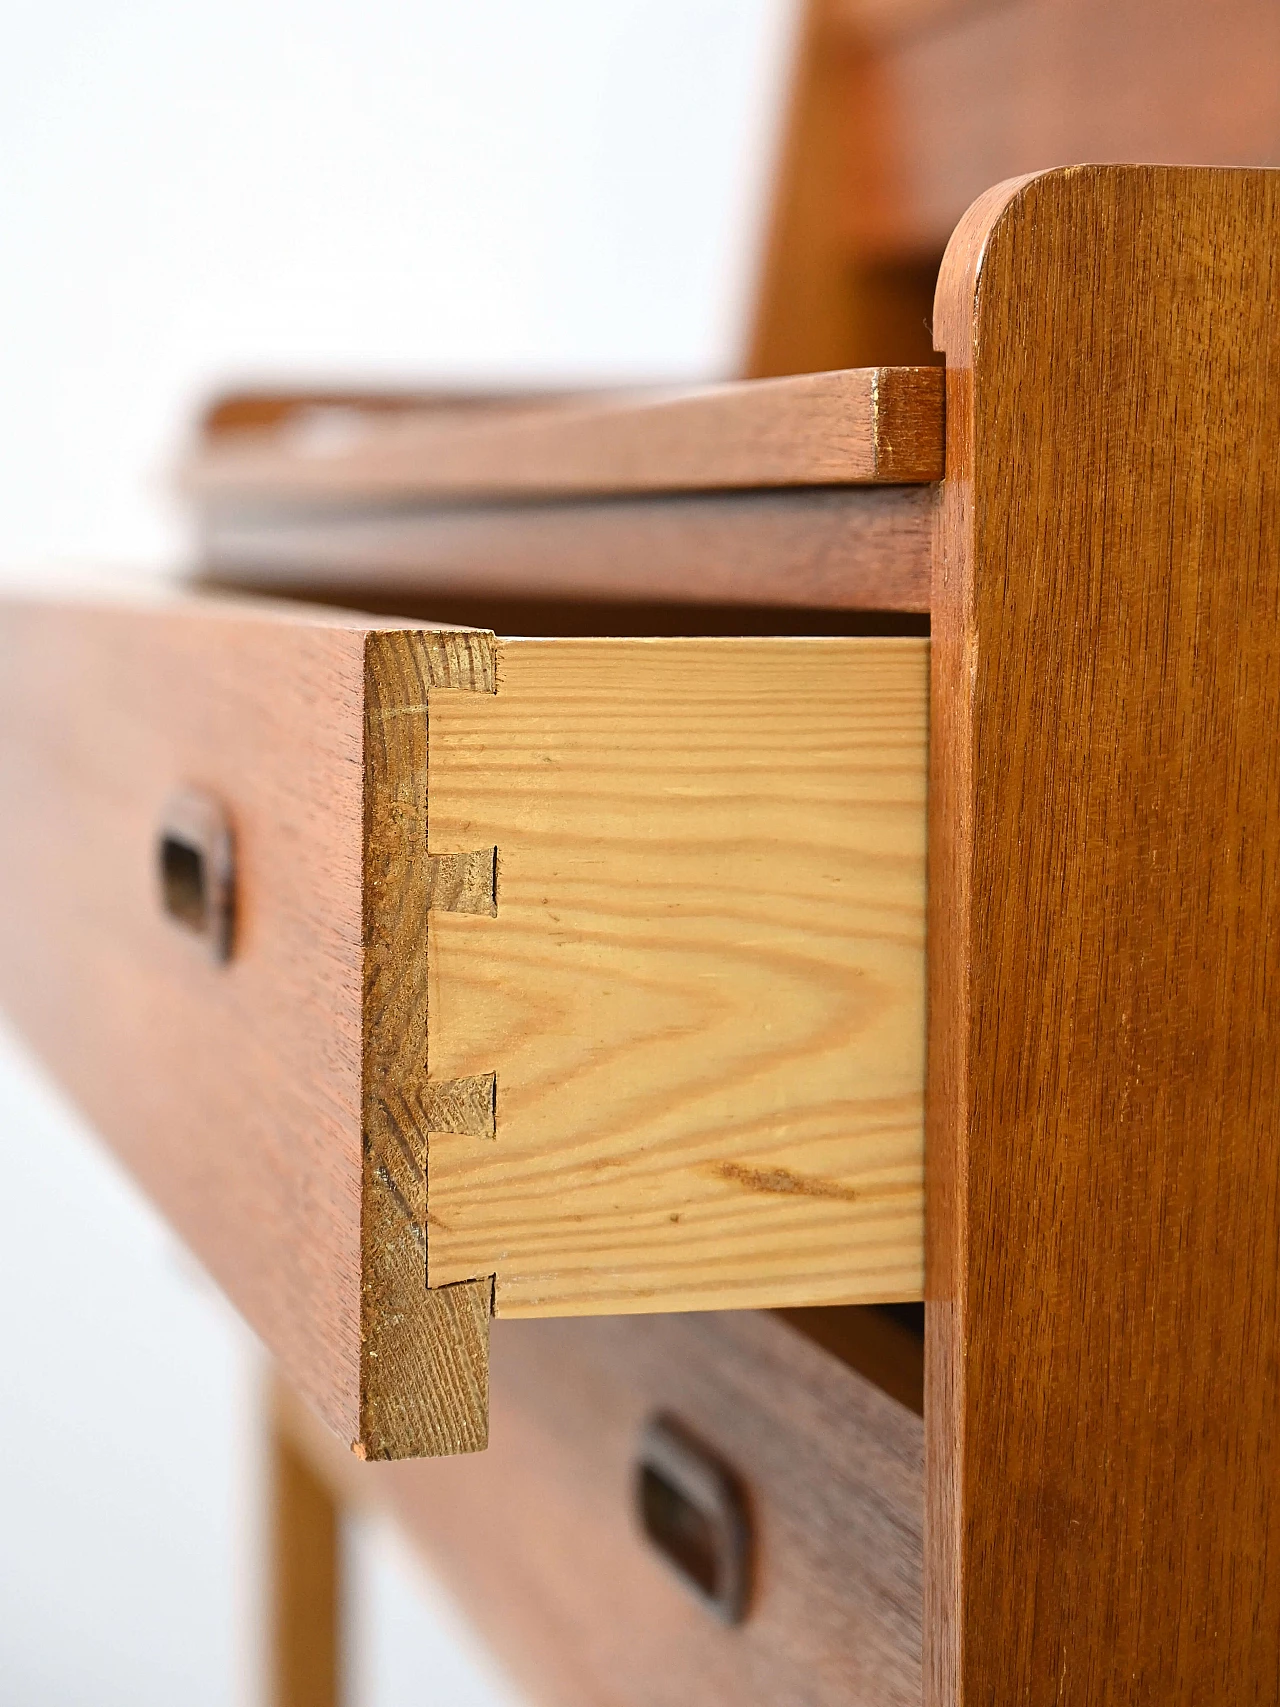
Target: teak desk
x=424 y=976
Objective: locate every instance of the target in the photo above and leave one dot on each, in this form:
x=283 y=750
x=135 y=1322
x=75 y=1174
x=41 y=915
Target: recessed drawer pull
x=693 y=1510
x=196 y=855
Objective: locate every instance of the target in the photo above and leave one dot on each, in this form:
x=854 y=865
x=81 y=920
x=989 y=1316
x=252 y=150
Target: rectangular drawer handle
x=196 y=859
x=694 y=1511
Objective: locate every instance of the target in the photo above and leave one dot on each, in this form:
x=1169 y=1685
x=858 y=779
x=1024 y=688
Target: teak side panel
x=702 y=992
x=242 y=1094
x=876 y=426
x=1104 y=1326
x=539 y=1541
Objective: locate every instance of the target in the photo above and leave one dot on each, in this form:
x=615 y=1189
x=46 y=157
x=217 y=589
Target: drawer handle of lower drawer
x=196 y=857
x=692 y=1508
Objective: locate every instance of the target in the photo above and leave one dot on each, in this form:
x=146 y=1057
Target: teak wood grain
x=539 y=1541
x=702 y=992
x=857 y=426
x=1103 y=1375
x=857 y=549
x=988 y=90
x=825 y=297
x=266 y=1105
x=304 y=1574
x=248 y=408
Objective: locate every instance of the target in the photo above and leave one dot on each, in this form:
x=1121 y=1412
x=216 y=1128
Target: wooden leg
x=304 y=1580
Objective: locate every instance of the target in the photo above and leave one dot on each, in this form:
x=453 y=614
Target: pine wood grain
x=877 y=426
x=266 y=1104
x=860 y=548
x=539 y=1541
x=702 y=992
x=1104 y=1199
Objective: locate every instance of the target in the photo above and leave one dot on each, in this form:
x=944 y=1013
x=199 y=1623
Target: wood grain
x=860 y=426
x=824 y=298
x=1104 y=1326
x=702 y=993
x=882 y=21
x=242 y=1096
x=250 y=409
x=538 y=1538
x=424 y=1355
x=464 y=1106
x=305 y=1578
x=862 y=548
x=889 y=1354
x=653 y=959
x=1102 y=80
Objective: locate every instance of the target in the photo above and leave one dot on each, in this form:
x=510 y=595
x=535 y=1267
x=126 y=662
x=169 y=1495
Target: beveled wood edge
x=857 y=426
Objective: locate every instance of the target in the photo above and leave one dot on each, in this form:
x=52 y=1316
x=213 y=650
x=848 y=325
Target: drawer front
x=543 y=1540
x=419 y=974
x=259 y=1098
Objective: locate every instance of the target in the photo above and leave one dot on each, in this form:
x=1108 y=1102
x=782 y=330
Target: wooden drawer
x=543 y=1539
x=633 y=930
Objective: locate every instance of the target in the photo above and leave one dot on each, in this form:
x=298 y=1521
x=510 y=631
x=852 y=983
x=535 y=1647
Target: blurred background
x=307 y=190
x=199 y=197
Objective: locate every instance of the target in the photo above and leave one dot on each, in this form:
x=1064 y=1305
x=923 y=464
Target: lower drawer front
x=542 y=1540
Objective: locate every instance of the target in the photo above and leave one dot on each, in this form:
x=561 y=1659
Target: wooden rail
x=857 y=426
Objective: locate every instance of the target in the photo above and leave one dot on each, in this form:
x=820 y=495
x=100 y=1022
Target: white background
x=293 y=190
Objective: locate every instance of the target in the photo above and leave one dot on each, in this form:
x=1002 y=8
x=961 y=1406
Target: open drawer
x=419 y=974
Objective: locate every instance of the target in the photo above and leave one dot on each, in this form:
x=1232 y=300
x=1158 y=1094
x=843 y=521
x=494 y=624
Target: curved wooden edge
x=949 y=904
x=1103 y=1206
x=857 y=426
